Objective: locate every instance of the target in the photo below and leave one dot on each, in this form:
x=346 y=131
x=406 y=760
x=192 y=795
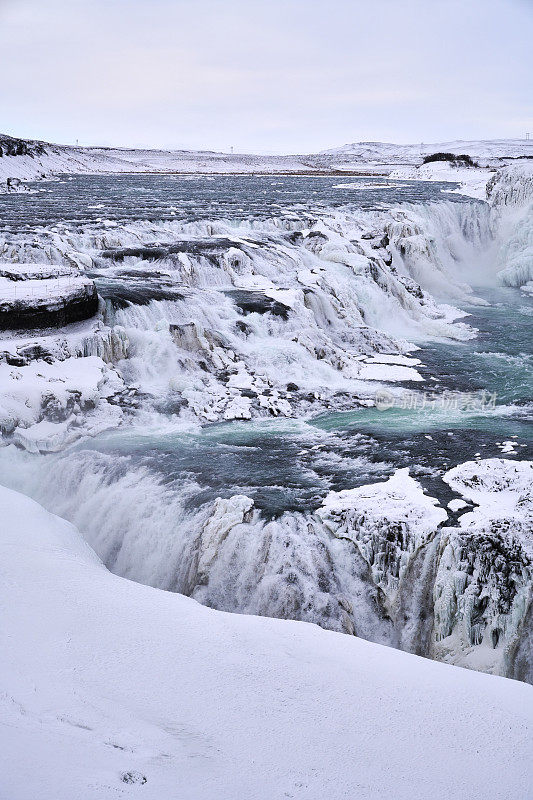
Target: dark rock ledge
x=32 y=296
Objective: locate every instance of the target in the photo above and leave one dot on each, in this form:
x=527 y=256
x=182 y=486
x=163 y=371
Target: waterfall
x=223 y=320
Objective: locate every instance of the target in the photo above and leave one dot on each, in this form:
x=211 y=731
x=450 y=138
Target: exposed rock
x=36 y=296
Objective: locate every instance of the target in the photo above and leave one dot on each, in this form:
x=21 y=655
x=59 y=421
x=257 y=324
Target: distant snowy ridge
x=36 y=160
x=491 y=150
x=32 y=160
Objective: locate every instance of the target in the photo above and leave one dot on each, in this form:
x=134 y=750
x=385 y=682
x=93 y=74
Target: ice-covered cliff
x=511 y=196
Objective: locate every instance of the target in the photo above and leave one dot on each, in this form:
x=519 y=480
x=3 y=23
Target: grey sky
x=265 y=75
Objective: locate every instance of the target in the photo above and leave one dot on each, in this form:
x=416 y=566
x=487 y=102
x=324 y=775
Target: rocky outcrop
x=42 y=298
x=11 y=146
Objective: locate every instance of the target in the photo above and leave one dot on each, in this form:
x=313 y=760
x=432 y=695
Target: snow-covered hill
x=387 y=153
x=111 y=689
x=31 y=160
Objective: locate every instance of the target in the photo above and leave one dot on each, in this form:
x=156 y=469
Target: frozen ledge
x=45 y=302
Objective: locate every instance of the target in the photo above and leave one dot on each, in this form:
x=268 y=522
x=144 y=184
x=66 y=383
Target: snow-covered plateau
x=293 y=397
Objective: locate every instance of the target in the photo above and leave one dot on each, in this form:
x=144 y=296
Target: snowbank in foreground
x=111 y=689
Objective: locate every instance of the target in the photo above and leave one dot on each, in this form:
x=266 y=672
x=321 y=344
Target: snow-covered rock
x=387 y=521
x=46 y=404
x=41 y=296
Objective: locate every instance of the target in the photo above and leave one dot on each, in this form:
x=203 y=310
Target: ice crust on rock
x=44 y=406
x=387 y=521
x=224 y=516
x=498 y=487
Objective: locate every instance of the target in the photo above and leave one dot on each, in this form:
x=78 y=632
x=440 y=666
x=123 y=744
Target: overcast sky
x=265 y=75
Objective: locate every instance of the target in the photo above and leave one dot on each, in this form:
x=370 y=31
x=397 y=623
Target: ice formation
x=483 y=582
x=511 y=197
